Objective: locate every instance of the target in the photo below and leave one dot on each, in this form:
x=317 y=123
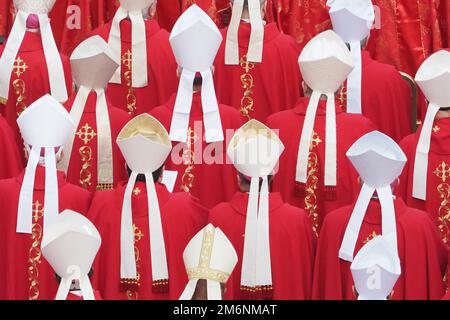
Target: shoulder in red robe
x=24 y=273
x=11 y=163
x=29 y=81
x=83 y=169
x=312 y=197
x=259 y=90
x=423 y=257
x=438 y=191
x=182 y=217
x=203 y=170
x=292 y=246
x=162 y=69
x=385 y=98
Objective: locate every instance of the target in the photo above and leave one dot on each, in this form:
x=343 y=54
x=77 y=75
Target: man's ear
x=152 y=10
x=264 y=9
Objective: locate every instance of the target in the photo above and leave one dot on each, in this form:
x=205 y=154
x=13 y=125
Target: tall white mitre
x=209 y=256
x=255 y=151
x=24 y=10
x=46 y=125
x=433 y=78
x=145 y=145
x=70 y=245
x=195 y=40
x=325 y=63
x=379 y=161
x=256 y=42
x=375 y=270
x=136 y=11
x=353 y=20
x=93 y=64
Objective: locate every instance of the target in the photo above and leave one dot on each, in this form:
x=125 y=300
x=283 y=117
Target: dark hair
x=156 y=174
x=246 y=182
x=198 y=81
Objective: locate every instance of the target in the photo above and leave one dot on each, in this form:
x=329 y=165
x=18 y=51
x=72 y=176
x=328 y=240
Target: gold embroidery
x=136 y=191
x=131 y=97
x=187 y=180
x=443 y=172
x=86 y=134
x=247 y=81
x=436 y=129
x=311 y=203
x=370 y=237
x=19 y=68
x=35 y=251
x=343 y=98
x=138 y=235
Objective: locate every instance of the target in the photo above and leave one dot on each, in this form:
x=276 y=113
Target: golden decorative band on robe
x=35 y=253
x=19 y=68
x=104 y=186
x=342 y=98
x=133 y=294
x=187 y=180
x=127 y=59
x=312 y=182
x=443 y=173
x=247 y=81
x=86 y=134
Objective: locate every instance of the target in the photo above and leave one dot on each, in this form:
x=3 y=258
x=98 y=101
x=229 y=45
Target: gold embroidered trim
x=19 y=68
x=187 y=180
x=247 y=102
x=370 y=237
x=104 y=186
x=138 y=235
x=443 y=173
x=35 y=251
x=127 y=59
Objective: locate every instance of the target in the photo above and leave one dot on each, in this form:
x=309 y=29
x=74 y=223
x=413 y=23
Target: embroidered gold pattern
x=311 y=203
x=203 y=271
x=443 y=173
x=35 y=251
x=19 y=68
x=187 y=180
x=131 y=97
x=247 y=102
x=370 y=237
x=136 y=191
x=436 y=129
x=138 y=235
x=342 y=97
x=86 y=133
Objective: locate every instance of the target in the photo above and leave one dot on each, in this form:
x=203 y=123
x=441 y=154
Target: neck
x=33 y=30
x=443 y=114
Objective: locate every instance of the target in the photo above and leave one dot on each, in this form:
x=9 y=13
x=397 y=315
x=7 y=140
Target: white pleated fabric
x=84 y=284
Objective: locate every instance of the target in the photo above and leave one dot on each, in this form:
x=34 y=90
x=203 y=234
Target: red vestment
x=211 y=183
x=24 y=273
x=385 y=98
x=76 y=297
x=83 y=160
x=292 y=246
x=162 y=69
x=29 y=81
x=182 y=218
x=260 y=89
x=423 y=257
x=11 y=163
x=312 y=197
x=438 y=190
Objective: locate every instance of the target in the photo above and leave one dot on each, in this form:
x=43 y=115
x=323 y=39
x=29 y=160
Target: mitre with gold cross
x=209 y=256
x=433 y=78
x=33 y=14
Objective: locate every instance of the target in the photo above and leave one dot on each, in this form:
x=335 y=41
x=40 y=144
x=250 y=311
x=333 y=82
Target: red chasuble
x=11 y=163
x=24 y=273
x=423 y=257
x=182 y=217
x=312 y=197
x=385 y=98
x=438 y=190
x=259 y=90
x=202 y=168
x=292 y=246
x=162 y=69
x=83 y=168
x=29 y=81
x=75 y=296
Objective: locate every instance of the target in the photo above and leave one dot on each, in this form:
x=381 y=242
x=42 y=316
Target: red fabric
x=118 y=118
x=386 y=98
x=438 y=190
x=18 y=248
x=212 y=183
x=349 y=128
x=182 y=217
x=276 y=81
x=292 y=246
x=75 y=297
x=169 y=10
x=162 y=74
x=32 y=83
x=11 y=163
x=423 y=257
